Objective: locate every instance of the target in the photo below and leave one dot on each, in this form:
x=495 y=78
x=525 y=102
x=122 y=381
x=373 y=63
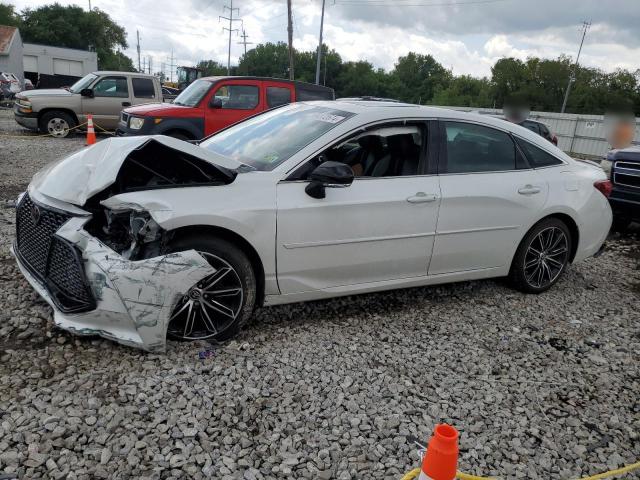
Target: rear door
x=490 y=196
x=111 y=94
x=232 y=101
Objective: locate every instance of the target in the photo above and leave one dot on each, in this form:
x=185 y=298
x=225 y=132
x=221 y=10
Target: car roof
x=270 y=79
x=116 y=72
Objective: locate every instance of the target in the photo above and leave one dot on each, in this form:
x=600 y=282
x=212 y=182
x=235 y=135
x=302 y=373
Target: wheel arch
x=573 y=230
x=57 y=109
x=239 y=241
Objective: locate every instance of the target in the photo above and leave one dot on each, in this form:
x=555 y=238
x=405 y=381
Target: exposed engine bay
x=132 y=233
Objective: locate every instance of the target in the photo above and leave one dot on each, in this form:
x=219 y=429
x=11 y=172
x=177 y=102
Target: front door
x=232 y=101
x=490 y=197
x=111 y=94
x=379 y=228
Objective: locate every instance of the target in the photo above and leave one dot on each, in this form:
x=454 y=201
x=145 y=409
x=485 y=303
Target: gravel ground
x=541 y=386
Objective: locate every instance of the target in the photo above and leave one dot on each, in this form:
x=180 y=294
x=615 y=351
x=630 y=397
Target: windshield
x=192 y=95
x=267 y=140
x=84 y=82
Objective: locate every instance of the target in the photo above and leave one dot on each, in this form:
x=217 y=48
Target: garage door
x=30 y=63
x=67 y=67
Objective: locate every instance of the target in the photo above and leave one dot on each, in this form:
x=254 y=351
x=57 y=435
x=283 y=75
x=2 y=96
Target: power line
x=230 y=29
x=572 y=76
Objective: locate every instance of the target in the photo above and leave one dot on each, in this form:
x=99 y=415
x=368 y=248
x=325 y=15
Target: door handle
x=528 y=190
x=126 y=104
x=422 y=197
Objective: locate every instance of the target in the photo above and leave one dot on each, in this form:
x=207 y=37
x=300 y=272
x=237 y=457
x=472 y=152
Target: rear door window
x=238 y=97
x=143 y=88
x=277 y=96
x=476 y=148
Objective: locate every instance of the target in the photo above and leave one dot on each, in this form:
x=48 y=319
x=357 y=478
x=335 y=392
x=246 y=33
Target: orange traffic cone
x=441 y=458
x=91 y=133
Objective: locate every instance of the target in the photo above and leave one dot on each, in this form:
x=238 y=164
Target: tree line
x=415 y=78
x=72 y=27
x=420 y=78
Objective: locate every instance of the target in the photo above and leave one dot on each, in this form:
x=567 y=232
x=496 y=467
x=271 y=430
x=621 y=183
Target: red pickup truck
x=212 y=103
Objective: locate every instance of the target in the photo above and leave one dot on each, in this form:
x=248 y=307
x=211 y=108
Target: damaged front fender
x=134 y=299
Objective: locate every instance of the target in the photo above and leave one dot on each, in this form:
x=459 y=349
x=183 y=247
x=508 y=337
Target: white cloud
x=466 y=40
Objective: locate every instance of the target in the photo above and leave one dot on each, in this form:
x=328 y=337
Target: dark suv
x=623 y=167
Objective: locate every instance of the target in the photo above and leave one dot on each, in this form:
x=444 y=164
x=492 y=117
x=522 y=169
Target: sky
x=466 y=36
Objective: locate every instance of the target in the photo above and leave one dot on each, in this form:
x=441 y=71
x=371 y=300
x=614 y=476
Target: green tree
x=211 y=68
x=8 y=15
x=73 y=27
x=266 y=60
x=465 y=91
x=419 y=76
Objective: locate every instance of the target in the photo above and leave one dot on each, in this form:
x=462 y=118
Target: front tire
x=57 y=124
x=542 y=257
x=219 y=305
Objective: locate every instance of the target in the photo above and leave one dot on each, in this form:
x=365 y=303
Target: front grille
x=626 y=174
x=52 y=260
x=124 y=117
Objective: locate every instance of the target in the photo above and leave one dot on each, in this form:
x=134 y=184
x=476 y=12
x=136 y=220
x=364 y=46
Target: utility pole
x=230 y=29
x=290 y=32
x=172 y=67
x=89 y=5
x=149 y=66
x=320 y=47
x=572 y=75
x=244 y=41
x=139 y=64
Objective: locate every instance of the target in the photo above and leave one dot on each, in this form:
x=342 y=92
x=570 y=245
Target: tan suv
x=102 y=94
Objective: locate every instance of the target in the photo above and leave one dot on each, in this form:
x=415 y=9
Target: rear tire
x=542 y=256
x=223 y=302
x=57 y=123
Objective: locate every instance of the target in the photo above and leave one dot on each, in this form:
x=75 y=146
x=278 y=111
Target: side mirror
x=87 y=92
x=215 y=102
x=331 y=175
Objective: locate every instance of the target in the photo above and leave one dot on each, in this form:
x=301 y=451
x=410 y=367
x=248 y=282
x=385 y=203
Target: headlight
x=606 y=166
x=136 y=123
x=24 y=105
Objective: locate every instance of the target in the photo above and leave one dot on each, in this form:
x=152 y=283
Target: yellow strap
x=413 y=474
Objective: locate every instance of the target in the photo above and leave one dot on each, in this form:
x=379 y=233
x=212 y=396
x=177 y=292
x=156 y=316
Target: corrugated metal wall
x=580 y=135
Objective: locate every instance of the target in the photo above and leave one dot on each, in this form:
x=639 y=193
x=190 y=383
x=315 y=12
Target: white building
x=57 y=65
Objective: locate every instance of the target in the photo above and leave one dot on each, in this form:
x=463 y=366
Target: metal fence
x=578 y=135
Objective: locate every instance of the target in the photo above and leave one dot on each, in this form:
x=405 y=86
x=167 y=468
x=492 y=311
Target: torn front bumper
x=133 y=299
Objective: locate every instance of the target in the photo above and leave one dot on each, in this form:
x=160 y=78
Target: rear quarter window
x=537 y=157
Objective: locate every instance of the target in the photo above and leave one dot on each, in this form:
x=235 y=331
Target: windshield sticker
x=328 y=117
x=271 y=157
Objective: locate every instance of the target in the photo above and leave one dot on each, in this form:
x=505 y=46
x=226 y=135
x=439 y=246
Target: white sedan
x=141 y=238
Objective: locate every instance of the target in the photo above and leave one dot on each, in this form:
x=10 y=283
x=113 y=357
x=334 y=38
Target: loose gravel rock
x=540 y=386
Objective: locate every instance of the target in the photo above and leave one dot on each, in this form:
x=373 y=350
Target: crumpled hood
x=78 y=177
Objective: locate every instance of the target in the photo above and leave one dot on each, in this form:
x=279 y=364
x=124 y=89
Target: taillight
x=554 y=139
x=604 y=187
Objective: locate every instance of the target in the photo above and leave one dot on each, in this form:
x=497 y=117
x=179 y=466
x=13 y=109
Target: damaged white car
x=141 y=238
